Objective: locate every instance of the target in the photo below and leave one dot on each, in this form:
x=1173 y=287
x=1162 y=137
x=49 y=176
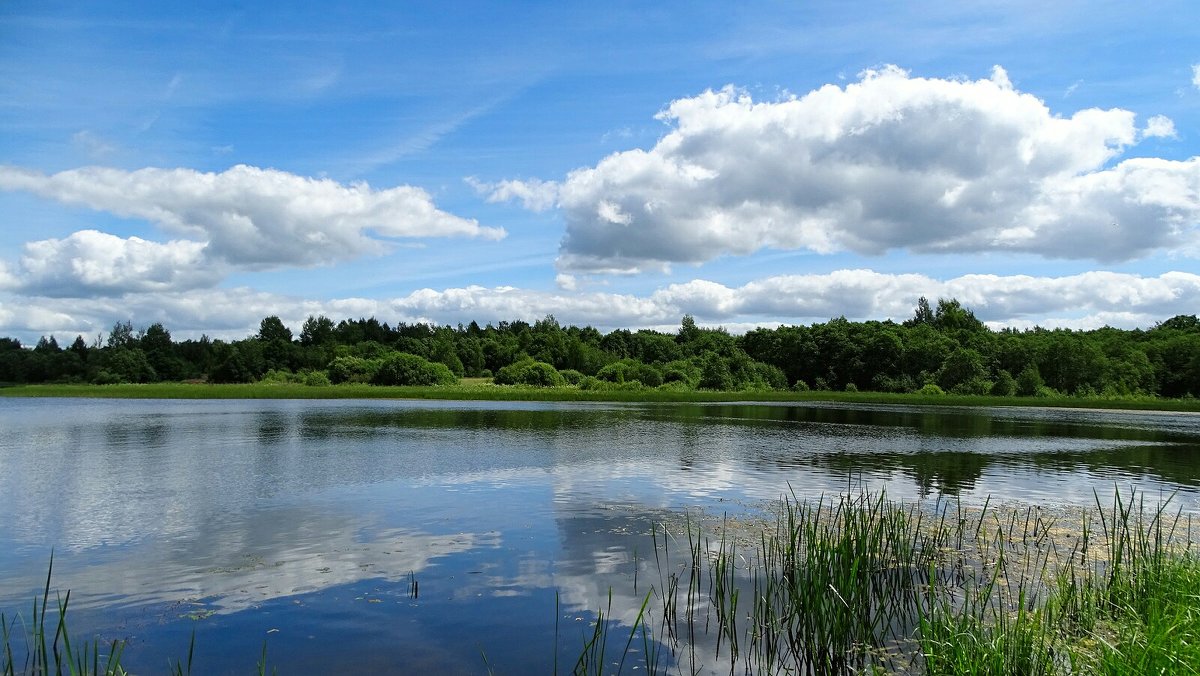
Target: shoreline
x=489 y=392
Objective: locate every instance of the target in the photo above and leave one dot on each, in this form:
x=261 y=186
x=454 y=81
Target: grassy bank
x=479 y=389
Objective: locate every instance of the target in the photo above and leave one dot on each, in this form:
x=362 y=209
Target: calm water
x=306 y=524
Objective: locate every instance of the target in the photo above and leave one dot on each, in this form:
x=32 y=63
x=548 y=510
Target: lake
x=458 y=537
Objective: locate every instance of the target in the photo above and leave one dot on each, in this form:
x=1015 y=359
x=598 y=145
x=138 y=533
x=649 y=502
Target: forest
x=942 y=348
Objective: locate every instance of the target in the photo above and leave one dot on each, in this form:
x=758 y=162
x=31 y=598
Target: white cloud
x=252 y=217
x=95 y=262
x=534 y=194
x=562 y=281
x=889 y=162
x=1087 y=300
x=1159 y=126
x=1196 y=75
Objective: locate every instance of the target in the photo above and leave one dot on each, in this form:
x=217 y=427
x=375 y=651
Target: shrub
x=767 y=376
x=851 y=387
x=1029 y=382
x=1005 y=385
x=279 y=377
x=974 y=386
x=627 y=370
x=593 y=383
x=931 y=390
x=316 y=379
x=353 y=369
x=529 y=371
x=1044 y=391
x=402 y=368
x=571 y=376
x=800 y=386
x=681 y=371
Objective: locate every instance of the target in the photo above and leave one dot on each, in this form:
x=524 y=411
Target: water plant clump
x=863 y=584
x=47 y=647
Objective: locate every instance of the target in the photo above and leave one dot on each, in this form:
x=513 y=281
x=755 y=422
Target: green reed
x=52 y=652
x=863 y=584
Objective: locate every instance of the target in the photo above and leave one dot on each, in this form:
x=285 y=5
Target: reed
x=862 y=584
x=46 y=651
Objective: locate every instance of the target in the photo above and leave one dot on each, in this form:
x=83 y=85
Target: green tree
x=1029 y=381
x=316 y=331
x=121 y=335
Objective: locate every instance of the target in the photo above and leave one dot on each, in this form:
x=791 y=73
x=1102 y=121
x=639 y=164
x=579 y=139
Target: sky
x=620 y=164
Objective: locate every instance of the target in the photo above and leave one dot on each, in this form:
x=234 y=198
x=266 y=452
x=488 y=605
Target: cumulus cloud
x=1132 y=300
x=888 y=162
x=1087 y=300
x=534 y=194
x=95 y=262
x=1159 y=126
x=255 y=218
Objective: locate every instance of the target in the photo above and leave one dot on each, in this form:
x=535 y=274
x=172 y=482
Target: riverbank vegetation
x=940 y=350
x=860 y=584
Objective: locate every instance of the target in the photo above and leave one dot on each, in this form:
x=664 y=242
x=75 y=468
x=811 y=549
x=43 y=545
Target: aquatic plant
x=863 y=584
x=45 y=652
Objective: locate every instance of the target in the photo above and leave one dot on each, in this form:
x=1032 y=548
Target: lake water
x=448 y=537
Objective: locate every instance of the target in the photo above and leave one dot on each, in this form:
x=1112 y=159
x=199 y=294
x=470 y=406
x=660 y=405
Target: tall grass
x=489 y=392
x=52 y=652
x=863 y=584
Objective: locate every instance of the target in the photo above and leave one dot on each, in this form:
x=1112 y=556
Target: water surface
x=406 y=536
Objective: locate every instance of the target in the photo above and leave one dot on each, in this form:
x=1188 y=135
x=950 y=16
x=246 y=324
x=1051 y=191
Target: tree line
x=942 y=348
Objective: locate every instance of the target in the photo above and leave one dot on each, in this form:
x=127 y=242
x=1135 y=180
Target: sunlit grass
x=482 y=389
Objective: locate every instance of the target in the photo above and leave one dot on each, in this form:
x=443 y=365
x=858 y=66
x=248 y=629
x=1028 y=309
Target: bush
x=767 y=376
x=1044 y=392
x=353 y=369
x=316 y=379
x=571 y=376
x=279 y=377
x=974 y=386
x=1005 y=385
x=681 y=371
x=800 y=386
x=402 y=368
x=931 y=390
x=529 y=371
x=593 y=383
x=627 y=370
x=1029 y=382
x=851 y=387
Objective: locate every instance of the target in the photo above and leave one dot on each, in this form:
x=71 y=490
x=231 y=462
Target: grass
x=480 y=389
x=45 y=651
x=861 y=584
x=858 y=584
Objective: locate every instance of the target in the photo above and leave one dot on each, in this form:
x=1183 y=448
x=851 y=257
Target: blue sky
x=612 y=164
